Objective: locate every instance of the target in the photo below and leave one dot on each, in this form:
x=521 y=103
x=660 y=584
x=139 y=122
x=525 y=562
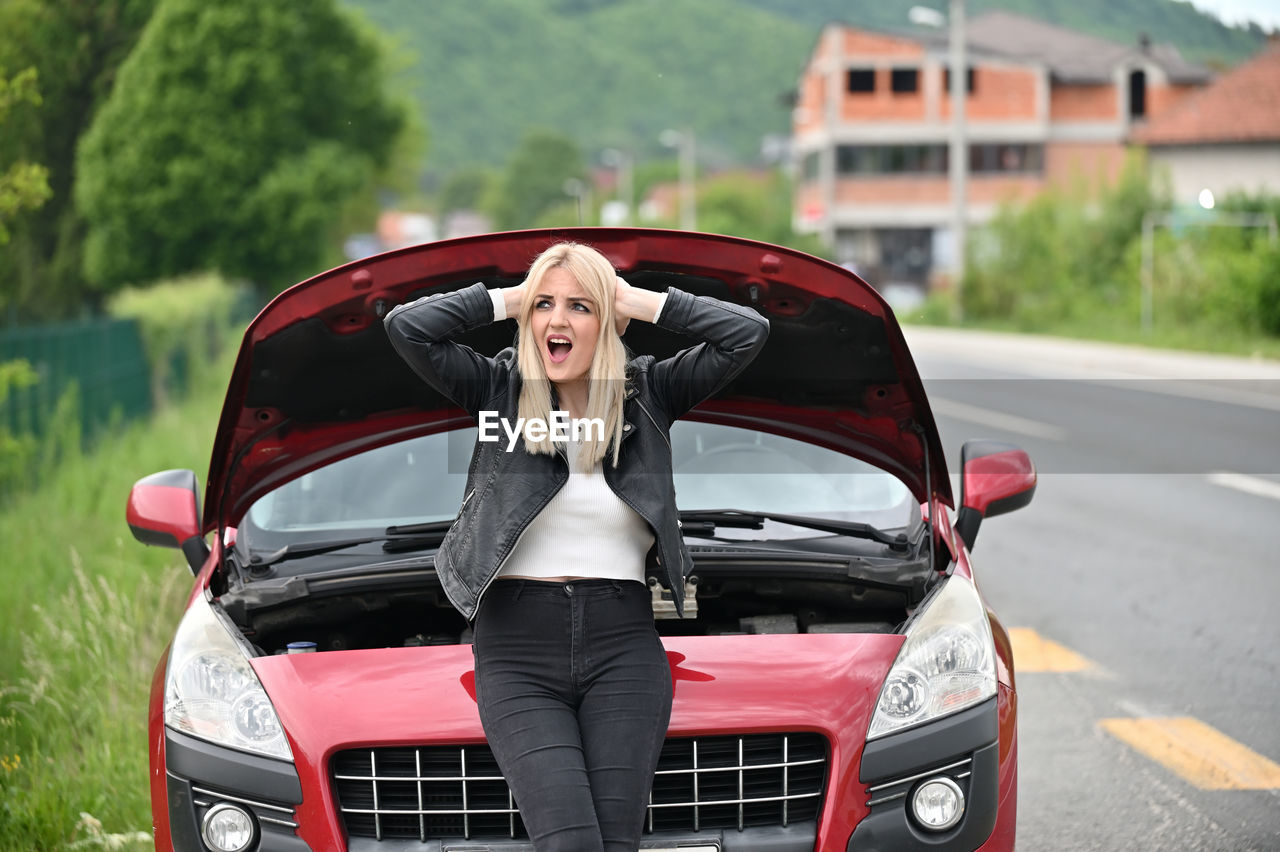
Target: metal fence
x=103 y=358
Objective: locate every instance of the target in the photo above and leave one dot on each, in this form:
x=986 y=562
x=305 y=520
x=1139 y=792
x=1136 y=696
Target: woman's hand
x=620 y=319
x=513 y=297
x=633 y=303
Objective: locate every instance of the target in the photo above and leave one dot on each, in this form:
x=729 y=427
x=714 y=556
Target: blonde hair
x=607 y=375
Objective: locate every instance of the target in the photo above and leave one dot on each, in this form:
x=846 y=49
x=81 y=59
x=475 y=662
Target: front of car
x=839 y=683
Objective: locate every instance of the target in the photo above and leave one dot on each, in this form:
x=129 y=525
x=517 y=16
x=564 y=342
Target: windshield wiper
x=395 y=539
x=703 y=523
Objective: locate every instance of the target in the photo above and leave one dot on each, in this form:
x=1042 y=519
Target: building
x=1224 y=138
x=1044 y=105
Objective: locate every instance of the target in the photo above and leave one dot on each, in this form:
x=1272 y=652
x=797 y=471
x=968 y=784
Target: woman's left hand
x=633 y=303
x=621 y=319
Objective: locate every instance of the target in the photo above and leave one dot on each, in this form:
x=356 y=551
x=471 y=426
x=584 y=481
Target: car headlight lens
x=211 y=691
x=947 y=663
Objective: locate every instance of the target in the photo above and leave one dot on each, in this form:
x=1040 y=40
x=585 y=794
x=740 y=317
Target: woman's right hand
x=513 y=297
x=633 y=303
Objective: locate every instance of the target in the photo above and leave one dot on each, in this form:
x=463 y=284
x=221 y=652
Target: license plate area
x=662 y=846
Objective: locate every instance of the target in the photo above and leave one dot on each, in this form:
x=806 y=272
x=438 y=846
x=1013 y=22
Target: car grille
x=729 y=782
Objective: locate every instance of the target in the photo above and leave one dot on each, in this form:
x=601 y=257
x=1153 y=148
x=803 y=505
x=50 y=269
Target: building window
x=851 y=159
x=1006 y=158
x=862 y=80
x=905 y=80
x=928 y=160
x=1137 y=94
x=891 y=159
x=946 y=81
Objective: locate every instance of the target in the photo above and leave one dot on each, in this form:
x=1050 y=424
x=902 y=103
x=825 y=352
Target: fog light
x=938 y=804
x=227 y=828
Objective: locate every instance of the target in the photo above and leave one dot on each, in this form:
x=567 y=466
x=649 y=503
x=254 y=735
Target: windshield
x=715 y=467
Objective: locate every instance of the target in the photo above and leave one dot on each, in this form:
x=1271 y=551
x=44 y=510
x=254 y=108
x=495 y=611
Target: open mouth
x=558 y=348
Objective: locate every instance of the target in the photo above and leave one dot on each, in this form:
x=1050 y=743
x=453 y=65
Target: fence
x=104 y=358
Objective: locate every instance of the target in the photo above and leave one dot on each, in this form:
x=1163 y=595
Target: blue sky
x=1265 y=12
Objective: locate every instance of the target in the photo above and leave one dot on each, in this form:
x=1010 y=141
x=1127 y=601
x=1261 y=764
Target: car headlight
x=211 y=691
x=948 y=662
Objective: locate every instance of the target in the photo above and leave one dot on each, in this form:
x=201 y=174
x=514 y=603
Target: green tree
x=237 y=134
x=23 y=185
x=77 y=46
x=756 y=206
x=534 y=179
x=464 y=189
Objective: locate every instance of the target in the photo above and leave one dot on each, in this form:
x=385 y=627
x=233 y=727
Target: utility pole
x=621 y=162
x=685 y=141
x=959 y=150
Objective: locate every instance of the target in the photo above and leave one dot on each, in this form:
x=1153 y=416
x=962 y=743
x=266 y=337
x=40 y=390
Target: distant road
x=1143 y=580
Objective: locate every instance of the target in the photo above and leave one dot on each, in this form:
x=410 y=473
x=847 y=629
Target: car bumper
x=200 y=776
x=964 y=748
x=721 y=695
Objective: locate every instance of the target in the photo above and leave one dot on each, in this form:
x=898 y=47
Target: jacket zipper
x=496 y=571
x=661 y=434
x=665 y=440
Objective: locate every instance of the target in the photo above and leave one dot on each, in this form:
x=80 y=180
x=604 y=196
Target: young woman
x=555 y=536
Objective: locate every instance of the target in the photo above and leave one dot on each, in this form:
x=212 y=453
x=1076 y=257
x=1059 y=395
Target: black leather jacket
x=506 y=490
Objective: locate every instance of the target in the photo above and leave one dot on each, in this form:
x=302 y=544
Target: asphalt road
x=1149 y=561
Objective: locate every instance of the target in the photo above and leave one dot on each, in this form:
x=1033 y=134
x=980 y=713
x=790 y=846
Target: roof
x=1242 y=105
x=1072 y=56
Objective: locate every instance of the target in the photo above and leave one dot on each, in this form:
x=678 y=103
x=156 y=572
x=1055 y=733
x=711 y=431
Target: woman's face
x=566 y=323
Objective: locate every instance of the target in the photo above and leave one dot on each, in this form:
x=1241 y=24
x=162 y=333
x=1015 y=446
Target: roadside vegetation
x=1067 y=265
x=87 y=610
x=87 y=613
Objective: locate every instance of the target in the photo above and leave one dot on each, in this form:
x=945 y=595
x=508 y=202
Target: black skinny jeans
x=574 y=691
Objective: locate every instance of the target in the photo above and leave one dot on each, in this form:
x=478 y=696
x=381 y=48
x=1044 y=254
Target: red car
x=840 y=684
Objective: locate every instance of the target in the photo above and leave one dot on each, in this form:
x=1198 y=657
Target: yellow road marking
x=1034 y=653
x=1203 y=756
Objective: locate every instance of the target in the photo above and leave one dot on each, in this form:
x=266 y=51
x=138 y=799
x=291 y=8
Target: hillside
x=612 y=74
x=1200 y=36
x=617 y=72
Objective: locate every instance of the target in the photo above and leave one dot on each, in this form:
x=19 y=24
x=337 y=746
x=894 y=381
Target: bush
x=1059 y=257
x=185 y=323
x=16 y=449
x=87 y=612
x=1062 y=263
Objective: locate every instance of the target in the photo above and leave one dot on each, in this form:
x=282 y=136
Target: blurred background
x=1099 y=169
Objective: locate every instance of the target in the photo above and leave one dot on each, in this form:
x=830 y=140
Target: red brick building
x=1225 y=137
x=1045 y=105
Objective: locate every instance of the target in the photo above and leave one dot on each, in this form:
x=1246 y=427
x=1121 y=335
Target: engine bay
x=413 y=611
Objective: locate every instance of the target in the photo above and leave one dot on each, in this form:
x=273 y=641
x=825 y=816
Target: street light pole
x=959 y=154
x=621 y=162
x=687 y=143
x=575 y=189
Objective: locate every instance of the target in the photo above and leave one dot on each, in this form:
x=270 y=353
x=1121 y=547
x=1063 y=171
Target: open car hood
x=316 y=378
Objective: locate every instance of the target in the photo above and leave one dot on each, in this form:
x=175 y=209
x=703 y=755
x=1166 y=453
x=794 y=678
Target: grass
x=1111 y=328
x=88 y=612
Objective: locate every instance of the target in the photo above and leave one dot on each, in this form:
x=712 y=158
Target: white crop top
x=584 y=531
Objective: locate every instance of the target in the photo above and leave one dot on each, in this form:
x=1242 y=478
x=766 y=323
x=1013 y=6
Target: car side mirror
x=995 y=478
x=164 y=510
